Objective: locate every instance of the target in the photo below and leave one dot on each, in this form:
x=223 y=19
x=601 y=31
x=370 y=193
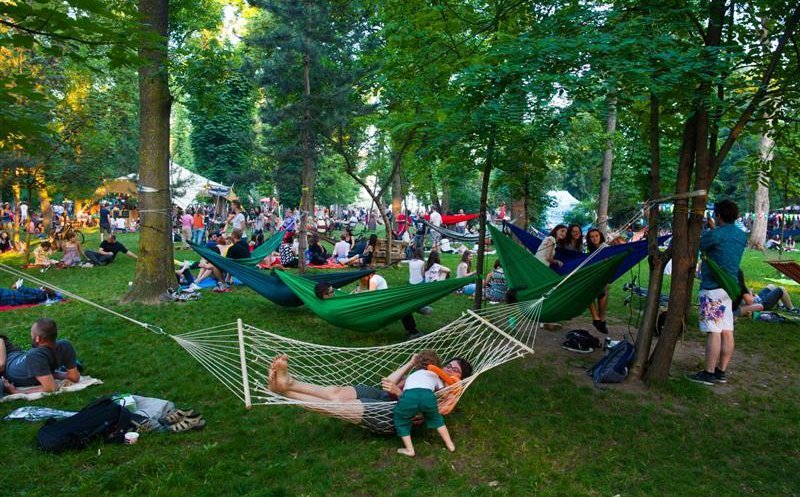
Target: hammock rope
x=19 y=274
x=240 y=355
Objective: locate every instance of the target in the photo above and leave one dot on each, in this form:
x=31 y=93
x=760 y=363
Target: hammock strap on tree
x=270 y=286
x=368 y=311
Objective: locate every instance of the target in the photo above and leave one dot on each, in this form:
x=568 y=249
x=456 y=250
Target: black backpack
x=613 y=367
x=580 y=341
x=100 y=419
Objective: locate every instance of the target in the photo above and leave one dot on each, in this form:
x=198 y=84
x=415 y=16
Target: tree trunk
x=15 y=190
x=47 y=210
x=519 y=205
x=519 y=209
x=655 y=259
x=758 y=232
x=435 y=203
x=680 y=261
x=445 y=197
x=487 y=172
x=605 y=178
x=397 y=192
x=309 y=176
x=154 y=274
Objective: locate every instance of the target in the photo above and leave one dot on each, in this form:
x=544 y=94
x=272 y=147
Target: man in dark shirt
x=105 y=222
x=239 y=249
x=107 y=251
x=38 y=366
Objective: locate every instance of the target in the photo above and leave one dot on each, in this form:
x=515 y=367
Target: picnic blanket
x=329 y=265
x=62 y=386
x=212 y=282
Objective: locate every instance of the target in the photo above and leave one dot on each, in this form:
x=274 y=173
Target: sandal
x=187 y=424
x=176 y=415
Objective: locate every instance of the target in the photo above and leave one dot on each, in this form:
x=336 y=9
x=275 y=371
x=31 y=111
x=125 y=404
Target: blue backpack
x=613 y=367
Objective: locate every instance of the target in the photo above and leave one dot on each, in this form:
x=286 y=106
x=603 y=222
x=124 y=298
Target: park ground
x=535 y=426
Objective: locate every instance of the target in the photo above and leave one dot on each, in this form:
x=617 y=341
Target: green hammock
x=368 y=311
x=270 y=245
x=268 y=285
x=725 y=280
x=531 y=279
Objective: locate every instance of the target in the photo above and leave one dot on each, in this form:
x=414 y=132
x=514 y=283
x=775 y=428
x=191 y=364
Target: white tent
x=564 y=202
x=186 y=186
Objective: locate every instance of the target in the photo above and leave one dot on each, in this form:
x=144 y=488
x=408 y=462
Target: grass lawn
x=532 y=427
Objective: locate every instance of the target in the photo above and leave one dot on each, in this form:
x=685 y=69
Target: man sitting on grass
x=107 y=252
x=40 y=366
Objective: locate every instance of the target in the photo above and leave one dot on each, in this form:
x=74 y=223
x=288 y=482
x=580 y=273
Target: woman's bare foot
x=409 y=452
x=279 y=378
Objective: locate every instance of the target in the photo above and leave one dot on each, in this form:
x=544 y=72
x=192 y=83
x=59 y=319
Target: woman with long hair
x=495 y=286
x=434 y=271
x=598 y=307
x=574 y=240
x=547 y=249
x=463 y=270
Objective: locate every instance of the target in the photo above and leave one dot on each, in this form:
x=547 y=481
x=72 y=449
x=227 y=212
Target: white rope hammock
x=240 y=355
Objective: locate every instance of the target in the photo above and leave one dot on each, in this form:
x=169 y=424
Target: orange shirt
x=197 y=221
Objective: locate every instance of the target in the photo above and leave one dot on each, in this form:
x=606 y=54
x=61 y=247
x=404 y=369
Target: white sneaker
x=194 y=287
x=18 y=284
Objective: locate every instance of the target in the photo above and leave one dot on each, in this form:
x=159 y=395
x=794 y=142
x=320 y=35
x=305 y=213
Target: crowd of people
x=235 y=233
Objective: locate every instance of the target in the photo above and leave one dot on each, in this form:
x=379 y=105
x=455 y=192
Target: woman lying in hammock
x=282 y=383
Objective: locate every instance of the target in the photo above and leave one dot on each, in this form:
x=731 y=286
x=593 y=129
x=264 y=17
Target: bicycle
x=60 y=234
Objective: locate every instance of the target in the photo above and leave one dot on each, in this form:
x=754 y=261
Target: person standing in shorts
x=725 y=245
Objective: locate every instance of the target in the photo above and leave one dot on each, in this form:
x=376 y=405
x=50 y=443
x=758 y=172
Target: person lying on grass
x=765 y=300
x=40 y=366
x=356 y=396
x=22 y=295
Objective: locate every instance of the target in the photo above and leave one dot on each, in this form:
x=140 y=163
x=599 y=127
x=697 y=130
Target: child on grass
x=42 y=255
x=417 y=398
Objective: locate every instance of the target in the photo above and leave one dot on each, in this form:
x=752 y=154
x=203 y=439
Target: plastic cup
x=131 y=437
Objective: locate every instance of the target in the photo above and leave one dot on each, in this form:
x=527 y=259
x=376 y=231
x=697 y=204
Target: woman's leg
x=603 y=304
x=593 y=311
x=282 y=382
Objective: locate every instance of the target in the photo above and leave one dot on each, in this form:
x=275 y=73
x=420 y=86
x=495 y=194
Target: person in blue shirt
x=724 y=243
